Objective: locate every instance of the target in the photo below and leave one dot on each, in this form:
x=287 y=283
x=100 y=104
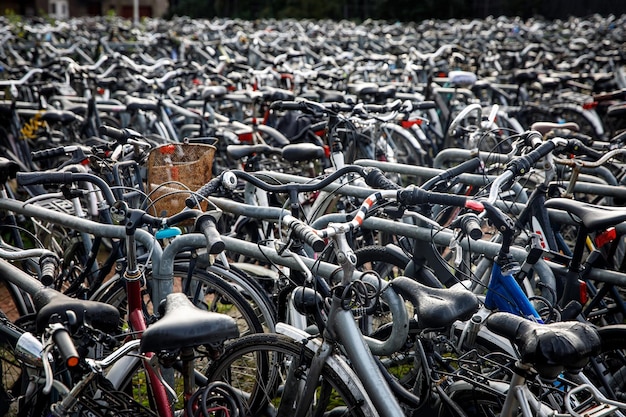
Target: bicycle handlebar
x=22 y=80
x=47 y=153
x=464 y=167
x=376 y=179
x=46 y=177
x=521 y=165
x=120 y=135
x=412 y=196
x=305 y=233
x=64 y=344
x=206 y=223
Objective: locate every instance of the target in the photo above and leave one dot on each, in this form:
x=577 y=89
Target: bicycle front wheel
x=266 y=369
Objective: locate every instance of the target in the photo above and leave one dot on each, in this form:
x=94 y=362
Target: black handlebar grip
x=214 y=242
x=579 y=148
x=205 y=191
x=376 y=179
x=48 y=265
x=425 y=105
x=521 y=165
x=467 y=166
x=120 y=135
x=413 y=195
x=111 y=132
x=308 y=236
x=464 y=167
x=470 y=224
x=287 y=105
x=65 y=346
x=30 y=178
x=47 y=153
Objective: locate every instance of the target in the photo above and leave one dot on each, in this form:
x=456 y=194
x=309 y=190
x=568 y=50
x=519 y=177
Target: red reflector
x=591 y=105
x=100 y=91
x=408 y=123
x=72 y=361
x=474 y=205
x=582 y=292
x=320 y=133
x=167 y=149
x=245 y=137
x=605 y=237
x=327 y=151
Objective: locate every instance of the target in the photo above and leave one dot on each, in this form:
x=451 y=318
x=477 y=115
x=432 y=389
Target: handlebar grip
x=205 y=191
x=467 y=166
x=425 y=105
x=65 y=346
x=376 y=179
x=47 y=153
x=287 y=105
x=578 y=147
x=413 y=195
x=30 y=178
x=120 y=135
x=111 y=132
x=470 y=224
x=306 y=233
x=215 y=244
x=521 y=165
x=48 y=265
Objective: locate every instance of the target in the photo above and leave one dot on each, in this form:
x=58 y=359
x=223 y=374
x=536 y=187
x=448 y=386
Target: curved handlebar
x=30 y=178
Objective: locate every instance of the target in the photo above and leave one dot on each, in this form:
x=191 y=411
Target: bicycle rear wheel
x=261 y=366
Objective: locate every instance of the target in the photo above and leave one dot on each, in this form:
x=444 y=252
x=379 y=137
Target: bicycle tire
x=253 y=365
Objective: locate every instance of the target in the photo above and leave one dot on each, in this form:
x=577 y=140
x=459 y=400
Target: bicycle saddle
x=49 y=302
x=299 y=152
x=241 y=151
x=436 y=307
x=214 y=92
x=182 y=324
x=59 y=116
x=551 y=348
x=592 y=216
x=545 y=127
x=8 y=169
x=135 y=103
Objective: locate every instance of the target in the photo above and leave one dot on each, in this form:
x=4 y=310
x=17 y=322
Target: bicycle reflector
x=590 y=105
x=605 y=237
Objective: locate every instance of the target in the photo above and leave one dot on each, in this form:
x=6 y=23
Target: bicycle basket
x=175 y=169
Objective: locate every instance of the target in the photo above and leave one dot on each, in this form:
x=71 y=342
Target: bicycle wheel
x=207 y=291
x=474 y=402
x=264 y=367
x=11 y=375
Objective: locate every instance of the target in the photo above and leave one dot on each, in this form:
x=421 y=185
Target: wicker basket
x=173 y=170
